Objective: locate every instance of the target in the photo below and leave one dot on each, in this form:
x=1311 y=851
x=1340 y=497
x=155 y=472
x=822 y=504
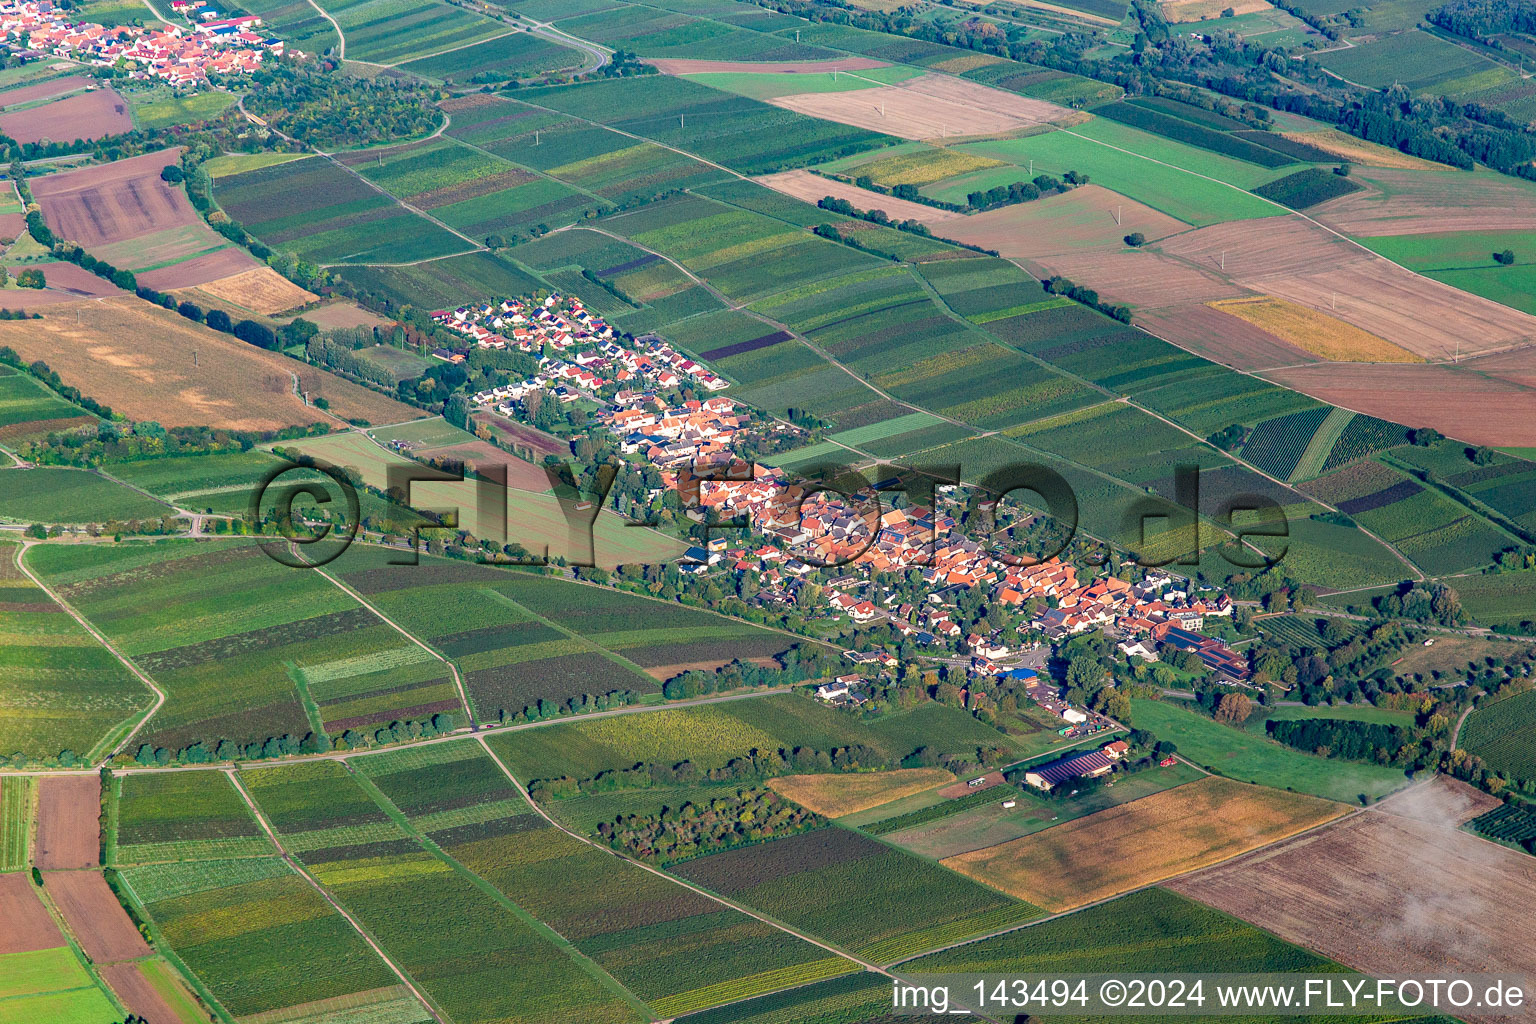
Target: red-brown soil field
x=687 y=66
x=44 y=90
x=1453 y=399
x=94 y=915
x=1416 y=203
x=136 y=993
x=1222 y=337
x=1081 y=220
x=930 y=107
x=112 y=202
x=27 y=924
x=68 y=822
x=1140 y=277
x=1289 y=258
x=199 y=270
x=89 y=115
x=1394 y=891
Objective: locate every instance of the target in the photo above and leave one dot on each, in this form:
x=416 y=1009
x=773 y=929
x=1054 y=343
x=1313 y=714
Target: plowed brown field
x=813 y=188
x=95 y=916
x=1453 y=399
x=112 y=202
x=930 y=107
x=1394 y=891
x=27 y=924
x=68 y=822
x=1416 y=203
x=89 y=115
x=1288 y=258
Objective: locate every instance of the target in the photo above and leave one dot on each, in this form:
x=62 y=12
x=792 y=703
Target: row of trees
x=696 y=829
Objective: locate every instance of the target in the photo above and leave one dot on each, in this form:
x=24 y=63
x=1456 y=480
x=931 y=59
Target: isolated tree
x=31 y=278
x=1233 y=708
x=1504 y=257
x=171 y=173
x=1135 y=238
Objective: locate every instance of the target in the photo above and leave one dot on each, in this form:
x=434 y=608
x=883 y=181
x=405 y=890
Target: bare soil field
x=1288 y=258
x=688 y=66
x=931 y=107
x=1518 y=365
x=1393 y=891
x=1316 y=332
x=27 y=924
x=94 y=915
x=44 y=90
x=1177 y=11
x=837 y=794
x=1082 y=220
x=1409 y=203
x=1145 y=279
x=1454 y=400
x=66 y=283
x=528 y=437
x=68 y=822
x=112 y=202
x=343 y=314
x=137 y=359
x=1221 y=337
x=136 y=993
x=261 y=289
x=1142 y=842
x=89 y=115
x=812 y=188
x=961 y=788
x=199 y=270
x=12 y=225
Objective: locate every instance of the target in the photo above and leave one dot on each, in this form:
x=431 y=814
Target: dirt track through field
x=930 y=107
x=68 y=822
x=1396 y=891
x=95 y=916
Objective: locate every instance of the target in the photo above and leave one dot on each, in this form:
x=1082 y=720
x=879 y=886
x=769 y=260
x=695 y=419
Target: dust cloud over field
x=1396 y=890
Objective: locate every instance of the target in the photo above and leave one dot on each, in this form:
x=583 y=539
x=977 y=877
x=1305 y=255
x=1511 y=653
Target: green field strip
x=586 y=963
x=17 y=803
x=1310 y=464
x=301 y=687
x=612 y=656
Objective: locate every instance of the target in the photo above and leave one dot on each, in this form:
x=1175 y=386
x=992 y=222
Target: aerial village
x=798 y=538
x=180 y=57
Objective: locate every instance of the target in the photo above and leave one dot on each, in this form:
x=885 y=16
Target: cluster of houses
x=580 y=356
x=180 y=57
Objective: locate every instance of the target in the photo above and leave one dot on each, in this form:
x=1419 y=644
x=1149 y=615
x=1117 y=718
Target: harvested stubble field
x=1458 y=402
x=813 y=188
x=261 y=289
x=92 y=911
x=1316 y=332
x=137 y=359
x=1397 y=890
x=1179 y=11
x=1145 y=279
x=90 y=115
x=930 y=107
x=1141 y=842
x=835 y=795
x=1365 y=154
x=1413 y=202
x=1288 y=258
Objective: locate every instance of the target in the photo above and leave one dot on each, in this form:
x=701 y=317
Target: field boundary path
x=458 y=681
x=1456 y=732
x=149 y=713
x=303 y=873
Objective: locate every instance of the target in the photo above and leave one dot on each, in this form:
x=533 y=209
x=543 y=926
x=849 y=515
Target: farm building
x=1080 y=766
x=1217 y=656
